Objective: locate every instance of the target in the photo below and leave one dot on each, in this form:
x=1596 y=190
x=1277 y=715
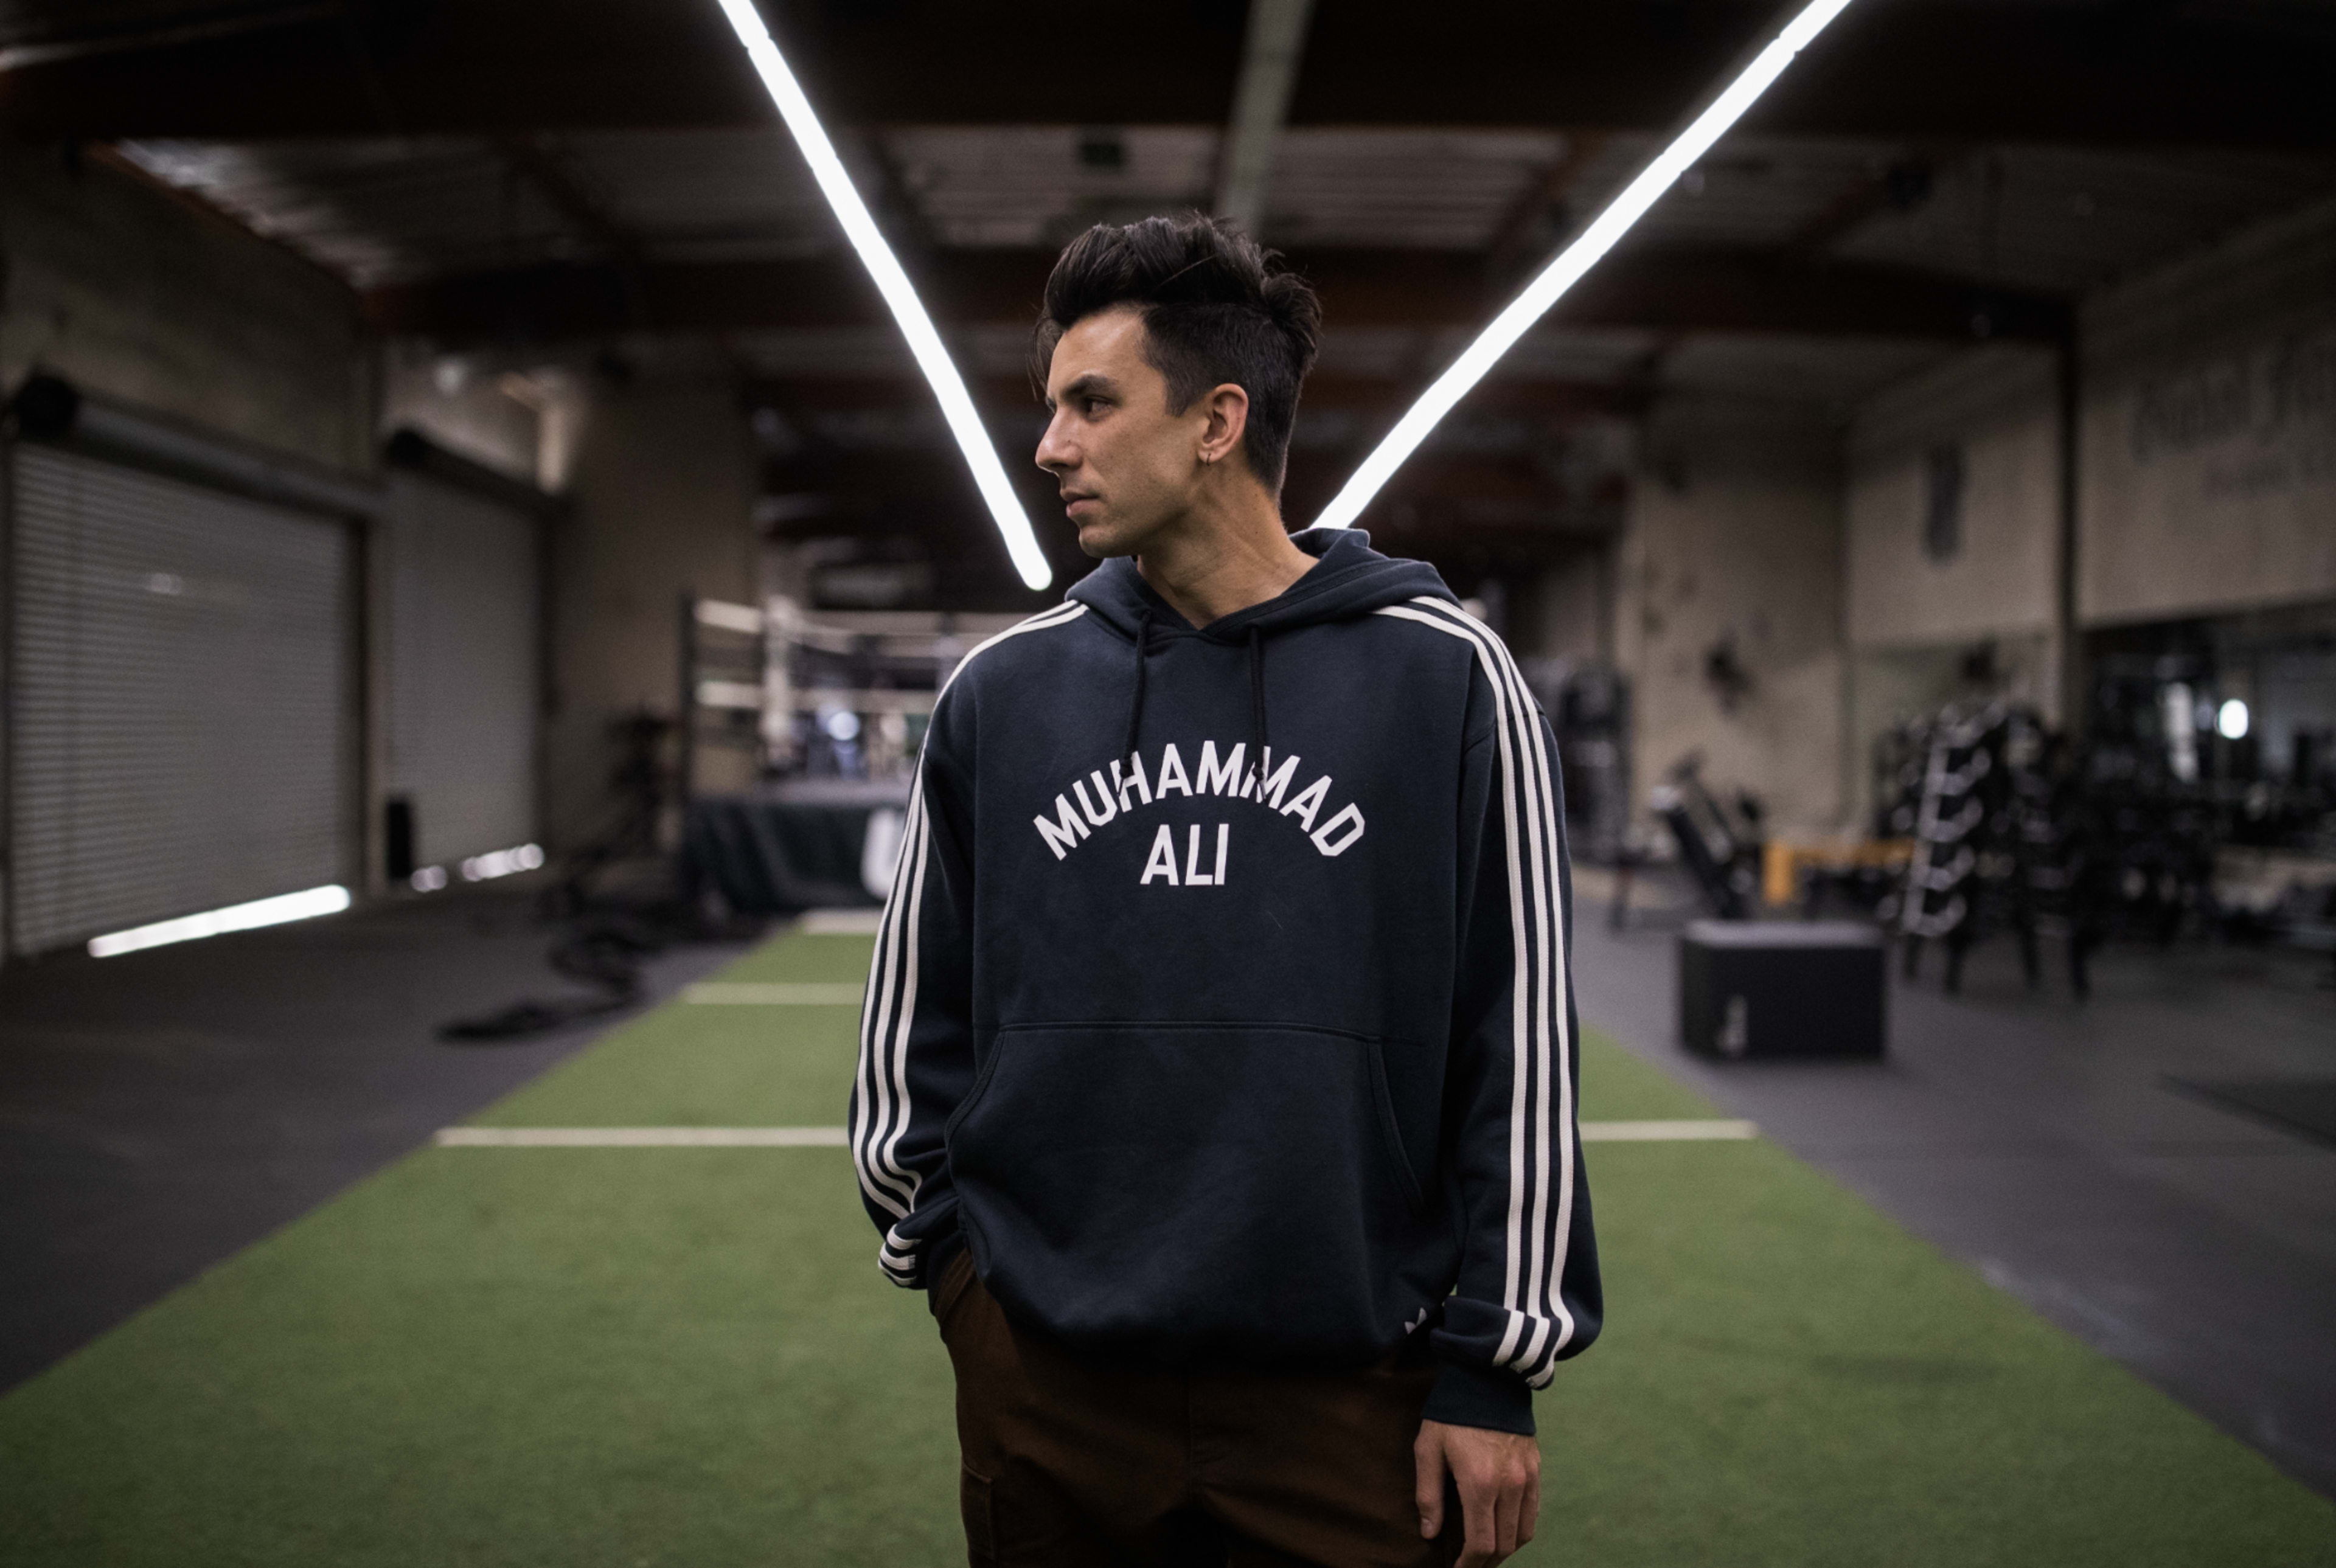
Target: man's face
x=1127 y=467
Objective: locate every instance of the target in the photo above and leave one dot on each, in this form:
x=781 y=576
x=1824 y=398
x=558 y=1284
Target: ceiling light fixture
x=916 y=326
x=1577 y=258
x=274 y=911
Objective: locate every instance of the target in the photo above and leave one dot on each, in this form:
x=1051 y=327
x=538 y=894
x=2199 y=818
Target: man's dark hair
x=1216 y=308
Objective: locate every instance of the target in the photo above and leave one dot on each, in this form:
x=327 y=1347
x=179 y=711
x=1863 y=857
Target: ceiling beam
x=534 y=161
x=1443 y=505
x=1917 y=71
x=1509 y=489
x=1530 y=230
x=1004 y=397
x=909 y=463
x=1269 y=70
x=1914 y=70
x=33 y=45
x=1904 y=185
x=1692 y=291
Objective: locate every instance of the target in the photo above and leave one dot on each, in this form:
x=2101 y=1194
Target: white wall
x=460 y=408
x=1736 y=532
x=2208 y=464
x=1914 y=616
x=663 y=482
x=526 y=424
x=1563 y=613
x=2207 y=484
x=125 y=291
x=1998 y=406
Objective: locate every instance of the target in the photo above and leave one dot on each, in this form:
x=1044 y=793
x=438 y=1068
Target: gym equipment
x=1782 y=989
x=844 y=696
x=1998 y=824
x=1589 y=709
x=1810 y=872
x=1720 y=843
x=808 y=843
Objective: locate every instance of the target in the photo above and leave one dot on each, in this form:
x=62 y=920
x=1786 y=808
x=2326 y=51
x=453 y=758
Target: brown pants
x=1070 y=1461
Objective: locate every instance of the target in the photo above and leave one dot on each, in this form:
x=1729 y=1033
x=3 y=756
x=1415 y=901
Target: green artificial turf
x=695 y=1064
x=686 y=1357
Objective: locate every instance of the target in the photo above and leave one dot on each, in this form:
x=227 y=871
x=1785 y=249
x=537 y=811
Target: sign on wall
x=2209 y=482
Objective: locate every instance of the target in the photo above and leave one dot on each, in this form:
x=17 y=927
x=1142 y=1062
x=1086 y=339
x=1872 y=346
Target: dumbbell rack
x=1992 y=839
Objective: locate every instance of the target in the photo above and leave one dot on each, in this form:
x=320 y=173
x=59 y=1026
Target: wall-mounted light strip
x=274 y=911
x=501 y=864
x=479 y=868
x=916 y=326
x=1577 y=258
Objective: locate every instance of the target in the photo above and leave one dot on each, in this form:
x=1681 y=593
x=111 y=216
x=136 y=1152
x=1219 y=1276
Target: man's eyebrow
x=1094 y=381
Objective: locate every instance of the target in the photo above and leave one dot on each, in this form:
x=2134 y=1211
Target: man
x=1217 y=1073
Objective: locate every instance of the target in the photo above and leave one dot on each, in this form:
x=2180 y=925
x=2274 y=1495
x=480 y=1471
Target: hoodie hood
x=1348 y=579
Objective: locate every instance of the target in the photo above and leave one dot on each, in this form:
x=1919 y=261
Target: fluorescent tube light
x=924 y=342
x=274 y=911
x=1573 y=261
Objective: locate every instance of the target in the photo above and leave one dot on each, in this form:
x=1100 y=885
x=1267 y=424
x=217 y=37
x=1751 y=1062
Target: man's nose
x=1054 y=453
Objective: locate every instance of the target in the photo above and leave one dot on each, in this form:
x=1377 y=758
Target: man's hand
x=1499 y=1477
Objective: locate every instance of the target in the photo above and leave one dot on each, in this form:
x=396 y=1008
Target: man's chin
x=1100 y=541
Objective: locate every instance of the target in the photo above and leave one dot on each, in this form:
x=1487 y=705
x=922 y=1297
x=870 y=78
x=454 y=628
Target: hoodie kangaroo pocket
x=1213 y=1191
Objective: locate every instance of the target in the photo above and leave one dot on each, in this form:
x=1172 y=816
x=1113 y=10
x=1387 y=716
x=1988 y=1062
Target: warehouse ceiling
x=519 y=180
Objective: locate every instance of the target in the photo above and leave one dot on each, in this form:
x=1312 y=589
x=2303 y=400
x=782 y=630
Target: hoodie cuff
x=1471 y=1396
x=940 y=1252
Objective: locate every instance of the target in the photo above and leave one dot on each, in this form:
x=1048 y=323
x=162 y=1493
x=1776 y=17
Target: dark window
x=1943 y=502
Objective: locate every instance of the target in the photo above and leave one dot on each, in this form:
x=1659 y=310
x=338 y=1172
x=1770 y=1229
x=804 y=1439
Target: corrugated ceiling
x=2047 y=220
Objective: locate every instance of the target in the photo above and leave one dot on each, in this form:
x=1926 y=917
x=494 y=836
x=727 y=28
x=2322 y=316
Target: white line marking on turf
x=834 y=1137
x=840 y=922
x=1665 y=1132
x=775 y=993
x=641 y=1137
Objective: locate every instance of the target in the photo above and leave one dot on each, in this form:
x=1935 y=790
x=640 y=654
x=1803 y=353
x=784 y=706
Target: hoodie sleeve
x=916 y=1025
x=1528 y=1294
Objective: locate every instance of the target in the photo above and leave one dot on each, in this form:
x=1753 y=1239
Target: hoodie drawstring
x=1135 y=708
x=1257 y=699
x=1256 y=689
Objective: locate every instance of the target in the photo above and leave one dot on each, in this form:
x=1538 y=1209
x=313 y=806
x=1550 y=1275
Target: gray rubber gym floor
x=2039 y=1139
x=162 y=1111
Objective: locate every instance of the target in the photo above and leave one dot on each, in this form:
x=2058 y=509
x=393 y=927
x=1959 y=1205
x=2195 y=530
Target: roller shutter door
x=462 y=656
x=182 y=719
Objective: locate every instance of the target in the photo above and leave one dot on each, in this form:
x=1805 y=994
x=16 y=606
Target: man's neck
x=1226 y=554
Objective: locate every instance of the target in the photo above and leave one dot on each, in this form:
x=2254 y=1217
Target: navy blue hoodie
x=1221 y=1007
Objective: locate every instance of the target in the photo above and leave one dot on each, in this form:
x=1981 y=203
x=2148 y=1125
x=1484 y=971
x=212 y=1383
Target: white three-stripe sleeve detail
x=1520 y=981
x=883 y=1111
x=890 y=994
x=1550 y=1009
x=891 y=1188
x=888 y=1010
x=1552 y=1013
x=1554 y=1017
x=1541 y=1047
x=885 y=1107
x=892 y=1191
x=1532 y=776
x=905 y=1010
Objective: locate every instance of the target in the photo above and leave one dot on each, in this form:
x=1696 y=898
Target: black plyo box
x=1781 y=989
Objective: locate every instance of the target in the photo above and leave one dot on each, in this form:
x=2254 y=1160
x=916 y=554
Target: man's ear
x=1228 y=410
